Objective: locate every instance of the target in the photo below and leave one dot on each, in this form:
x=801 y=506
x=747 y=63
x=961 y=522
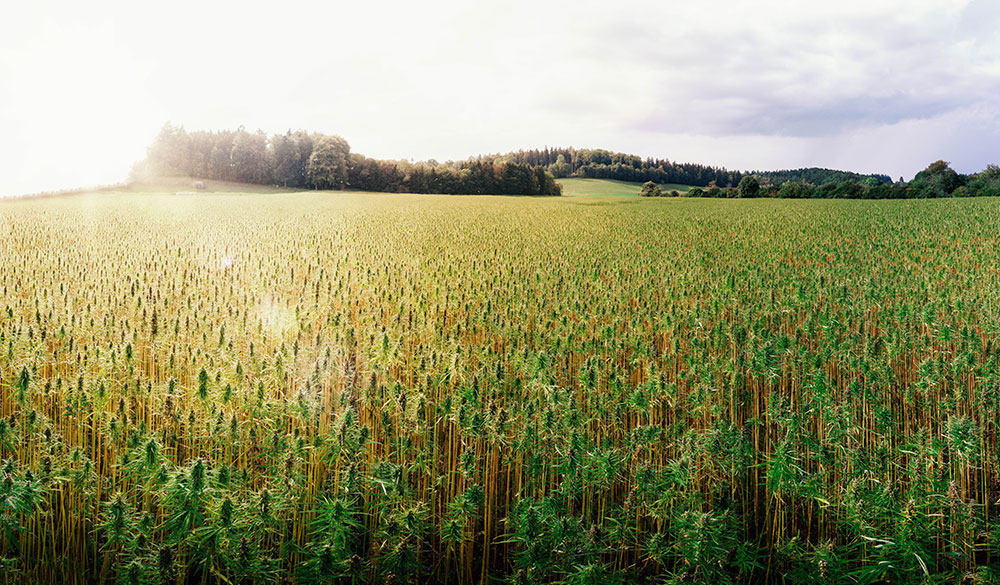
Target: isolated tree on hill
x=650 y=189
x=328 y=163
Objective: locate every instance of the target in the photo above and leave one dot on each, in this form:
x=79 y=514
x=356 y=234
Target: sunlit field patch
x=356 y=388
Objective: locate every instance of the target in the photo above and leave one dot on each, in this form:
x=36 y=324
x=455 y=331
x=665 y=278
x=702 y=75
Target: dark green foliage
x=937 y=180
x=749 y=187
x=650 y=189
x=984 y=183
x=818 y=176
x=604 y=164
x=797 y=190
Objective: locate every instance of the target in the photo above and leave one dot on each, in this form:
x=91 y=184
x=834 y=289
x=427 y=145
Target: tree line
x=604 y=164
x=820 y=176
x=317 y=161
x=937 y=180
x=597 y=163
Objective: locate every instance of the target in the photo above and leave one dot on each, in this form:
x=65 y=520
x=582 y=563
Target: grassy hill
x=593 y=187
x=186 y=184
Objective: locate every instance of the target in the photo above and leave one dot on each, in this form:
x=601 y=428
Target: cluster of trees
x=475 y=176
x=820 y=176
x=651 y=189
x=937 y=180
x=940 y=180
x=604 y=164
x=239 y=155
x=317 y=161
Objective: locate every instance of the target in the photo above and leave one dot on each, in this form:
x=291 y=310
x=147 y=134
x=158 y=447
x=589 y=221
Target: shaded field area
x=168 y=185
x=308 y=388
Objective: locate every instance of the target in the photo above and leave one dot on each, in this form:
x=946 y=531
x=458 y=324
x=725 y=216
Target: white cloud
x=863 y=84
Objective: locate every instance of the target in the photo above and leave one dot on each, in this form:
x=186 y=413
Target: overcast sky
x=867 y=85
